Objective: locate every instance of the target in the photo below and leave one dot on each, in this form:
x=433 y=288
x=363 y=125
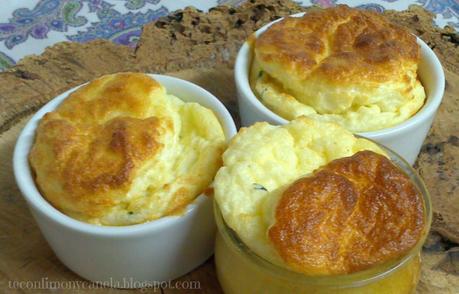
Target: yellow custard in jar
x=240 y=271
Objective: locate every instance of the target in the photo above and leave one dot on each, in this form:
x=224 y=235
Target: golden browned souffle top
x=354 y=213
x=338 y=44
x=121 y=150
x=116 y=147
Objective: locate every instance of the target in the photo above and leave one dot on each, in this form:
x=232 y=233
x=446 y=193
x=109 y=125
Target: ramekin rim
x=24 y=180
x=241 y=77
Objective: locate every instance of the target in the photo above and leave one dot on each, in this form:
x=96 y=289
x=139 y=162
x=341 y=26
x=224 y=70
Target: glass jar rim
x=355 y=279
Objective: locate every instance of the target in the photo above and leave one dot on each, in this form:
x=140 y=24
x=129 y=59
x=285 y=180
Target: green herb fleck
x=260 y=74
x=263 y=92
x=259 y=187
x=130 y=212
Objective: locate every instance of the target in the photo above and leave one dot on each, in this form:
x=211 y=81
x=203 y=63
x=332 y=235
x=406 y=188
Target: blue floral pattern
x=372 y=7
x=120 y=28
x=137 y=4
x=46 y=16
x=449 y=9
x=28 y=26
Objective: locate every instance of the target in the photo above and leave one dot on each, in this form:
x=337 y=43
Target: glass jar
x=240 y=270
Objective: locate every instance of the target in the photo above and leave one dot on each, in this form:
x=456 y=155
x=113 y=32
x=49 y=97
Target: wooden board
x=201 y=47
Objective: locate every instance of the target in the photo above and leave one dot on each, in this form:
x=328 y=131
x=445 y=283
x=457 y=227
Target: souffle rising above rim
x=344 y=65
x=316 y=199
x=121 y=150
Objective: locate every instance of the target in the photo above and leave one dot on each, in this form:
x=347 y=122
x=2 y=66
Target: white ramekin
x=405 y=138
x=127 y=256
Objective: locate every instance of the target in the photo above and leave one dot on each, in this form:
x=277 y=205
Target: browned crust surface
x=351 y=214
x=87 y=152
x=339 y=44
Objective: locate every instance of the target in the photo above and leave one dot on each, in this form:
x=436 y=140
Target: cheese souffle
x=312 y=198
x=343 y=65
x=121 y=150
